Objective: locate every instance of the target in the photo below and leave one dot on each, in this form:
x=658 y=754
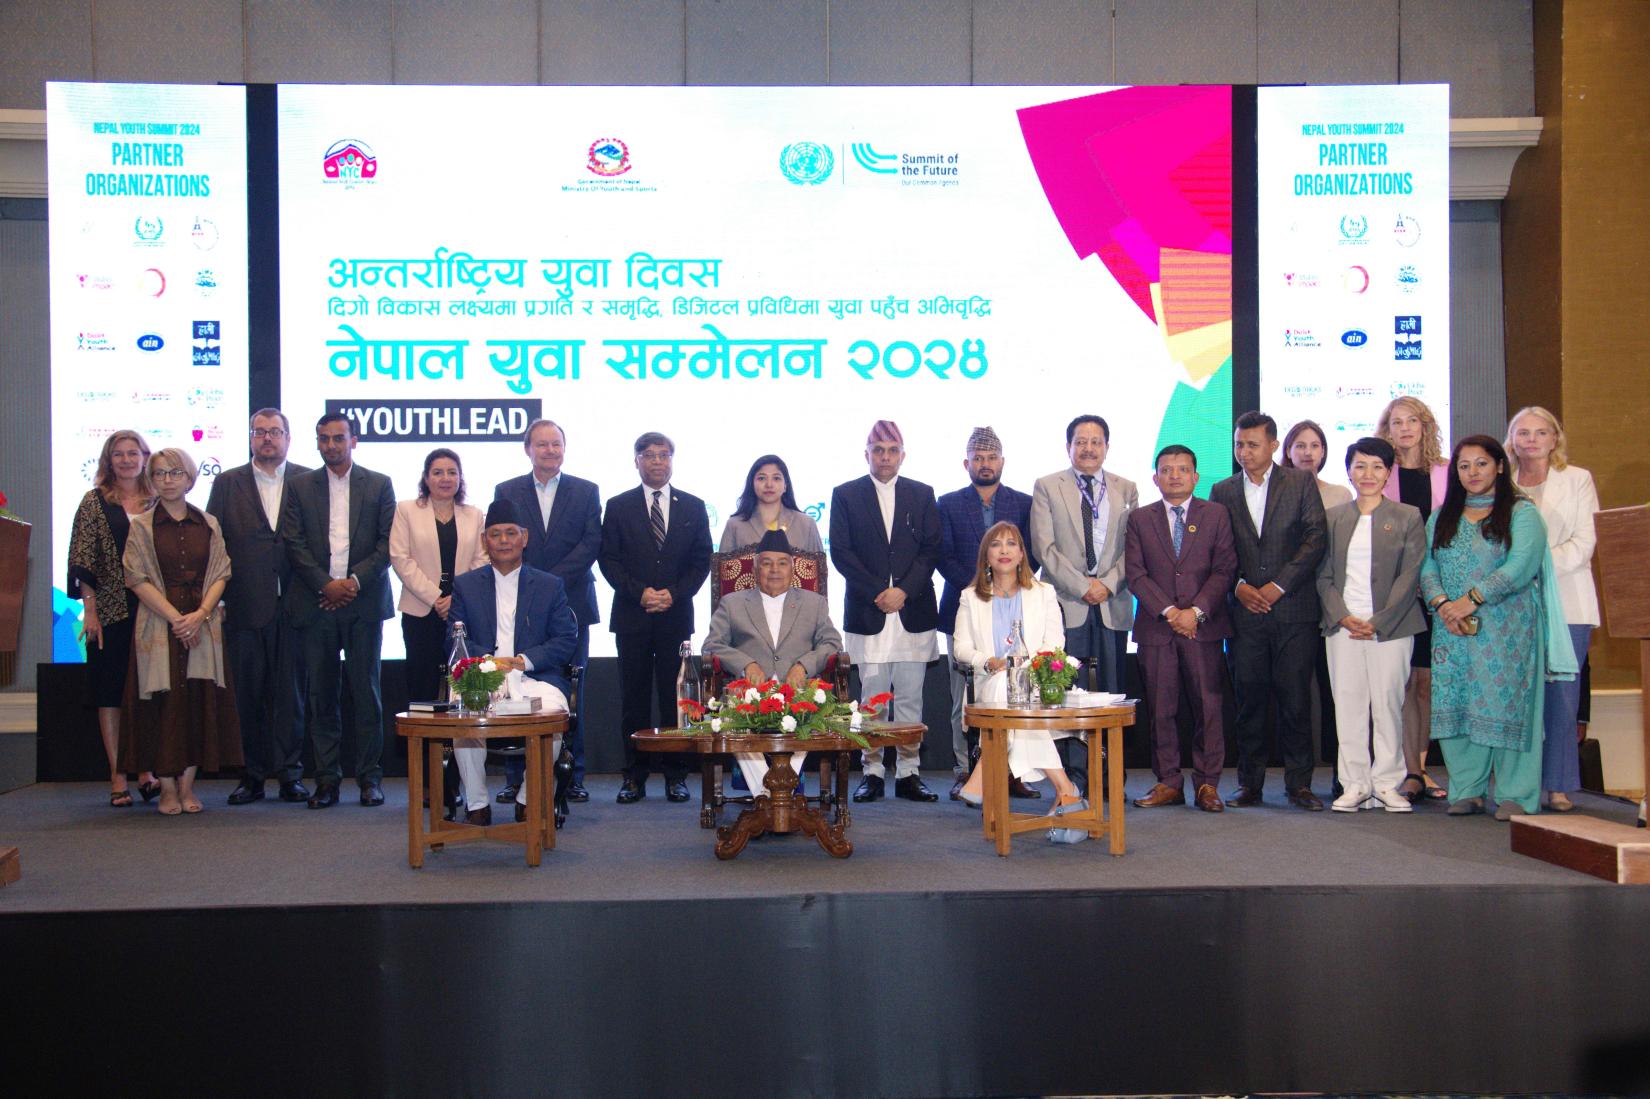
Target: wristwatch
x=1201 y=617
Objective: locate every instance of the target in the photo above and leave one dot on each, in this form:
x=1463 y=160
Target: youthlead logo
x=349 y=162
x=804 y=162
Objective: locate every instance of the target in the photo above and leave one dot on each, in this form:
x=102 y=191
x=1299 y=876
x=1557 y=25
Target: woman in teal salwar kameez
x=1489 y=564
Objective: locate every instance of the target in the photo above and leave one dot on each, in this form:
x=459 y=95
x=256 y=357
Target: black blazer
x=630 y=561
x=870 y=562
x=568 y=547
x=257 y=552
x=1287 y=550
x=304 y=527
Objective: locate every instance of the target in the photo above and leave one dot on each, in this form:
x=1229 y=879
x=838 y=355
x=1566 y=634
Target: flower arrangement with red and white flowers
x=777 y=707
x=5 y=512
x=476 y=674
x=1053 y=672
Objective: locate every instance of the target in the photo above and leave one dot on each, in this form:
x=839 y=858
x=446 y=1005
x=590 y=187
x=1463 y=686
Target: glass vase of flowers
x=474 y=679
x=777 y=707
x=1053 y=673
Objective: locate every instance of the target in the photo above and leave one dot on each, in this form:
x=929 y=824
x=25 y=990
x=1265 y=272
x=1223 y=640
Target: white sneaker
x=1350 y=800
x=1392 y=801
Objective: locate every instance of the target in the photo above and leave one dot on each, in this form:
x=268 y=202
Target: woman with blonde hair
x=1005 y=592
x=1567 y=499
x=180 y=714
x=120 y=492
x=1421 y=481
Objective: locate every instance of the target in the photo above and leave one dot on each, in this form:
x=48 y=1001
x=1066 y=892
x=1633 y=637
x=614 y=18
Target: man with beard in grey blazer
x=772 y=631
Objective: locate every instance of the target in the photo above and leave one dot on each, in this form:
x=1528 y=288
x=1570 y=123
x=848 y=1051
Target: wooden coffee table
x=431 y=730
x=994 y=723
x=781 y=809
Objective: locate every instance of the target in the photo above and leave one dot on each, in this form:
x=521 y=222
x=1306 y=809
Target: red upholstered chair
x=734 y=571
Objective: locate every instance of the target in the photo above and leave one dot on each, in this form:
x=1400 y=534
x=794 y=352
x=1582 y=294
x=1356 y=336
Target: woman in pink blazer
x=1420 y=481
x=432 y=539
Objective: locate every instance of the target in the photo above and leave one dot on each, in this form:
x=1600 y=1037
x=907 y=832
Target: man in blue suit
x=563 y=516
x=965 y=516
x=519 y=615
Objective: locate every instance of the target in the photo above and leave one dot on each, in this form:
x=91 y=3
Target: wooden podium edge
x=11 y=865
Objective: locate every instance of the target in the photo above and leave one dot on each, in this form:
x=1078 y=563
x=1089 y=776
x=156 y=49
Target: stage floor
x=80 y=855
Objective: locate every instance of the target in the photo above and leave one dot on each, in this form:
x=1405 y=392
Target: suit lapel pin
x=1191 y=529
x=1386 y=526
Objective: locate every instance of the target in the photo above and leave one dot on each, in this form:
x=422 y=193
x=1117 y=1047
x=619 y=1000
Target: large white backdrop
x=428 y=232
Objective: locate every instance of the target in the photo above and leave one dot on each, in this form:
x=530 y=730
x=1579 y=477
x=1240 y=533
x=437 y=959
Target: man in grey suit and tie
x=1078 y=516
x=261 y=644
x=772 y=631
x=336 y=523
x=1279 y=533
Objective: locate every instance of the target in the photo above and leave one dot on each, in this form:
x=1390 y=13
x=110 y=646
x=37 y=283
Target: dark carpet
x=78 y=854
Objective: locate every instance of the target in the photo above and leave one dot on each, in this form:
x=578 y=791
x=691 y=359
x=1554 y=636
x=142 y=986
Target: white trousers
x=1030 y=751
x=754 y=766
x=471 y=755
x=1368 y=680
x=904 y=678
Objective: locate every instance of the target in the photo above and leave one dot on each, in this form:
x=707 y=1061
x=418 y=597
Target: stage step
x=1614 y=852
x=11 y=865
x=17 y=740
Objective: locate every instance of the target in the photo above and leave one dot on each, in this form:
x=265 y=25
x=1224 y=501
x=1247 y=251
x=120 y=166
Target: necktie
x=1088 y=519
x=1179 y=527
x=656 y=519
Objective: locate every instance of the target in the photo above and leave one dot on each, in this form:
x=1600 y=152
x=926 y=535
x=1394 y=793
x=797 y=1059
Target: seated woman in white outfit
x=1003 y=592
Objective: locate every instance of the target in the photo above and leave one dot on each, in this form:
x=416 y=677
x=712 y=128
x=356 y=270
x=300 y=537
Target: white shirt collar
x=269 y=478
x=340 y=477
x=546 y=486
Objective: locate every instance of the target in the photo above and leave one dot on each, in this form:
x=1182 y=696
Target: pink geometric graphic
x=1132 y=172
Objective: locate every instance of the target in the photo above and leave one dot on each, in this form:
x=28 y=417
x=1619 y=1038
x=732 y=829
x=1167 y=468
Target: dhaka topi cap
x=885 y=431
x=774 y=541
x=985 y=439
x=503 y=511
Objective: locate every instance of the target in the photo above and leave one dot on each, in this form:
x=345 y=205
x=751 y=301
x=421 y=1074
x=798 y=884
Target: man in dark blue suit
x=335 y=522
x=563 y=517
x=885 y=541
x=965 y=516
x=520 y=616
x=656 y=555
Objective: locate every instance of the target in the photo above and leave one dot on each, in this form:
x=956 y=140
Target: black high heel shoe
x=149 y=791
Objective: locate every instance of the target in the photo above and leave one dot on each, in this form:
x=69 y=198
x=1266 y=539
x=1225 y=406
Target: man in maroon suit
x=1179 y=560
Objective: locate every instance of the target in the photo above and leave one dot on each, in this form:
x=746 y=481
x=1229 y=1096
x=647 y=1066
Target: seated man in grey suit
x=772 y=631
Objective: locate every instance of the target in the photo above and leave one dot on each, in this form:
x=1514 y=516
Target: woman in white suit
x=1567 y=499
x=432 y=539
x=1004 y=591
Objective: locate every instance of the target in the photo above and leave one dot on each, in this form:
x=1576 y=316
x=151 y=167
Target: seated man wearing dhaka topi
x=520 y=615
x=772 y=631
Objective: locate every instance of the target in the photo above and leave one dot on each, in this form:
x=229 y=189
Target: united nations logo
x=608 y=157
x=806 y=162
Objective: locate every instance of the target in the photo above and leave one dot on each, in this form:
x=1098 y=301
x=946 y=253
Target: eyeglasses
x=169 y=474
x=268 y=432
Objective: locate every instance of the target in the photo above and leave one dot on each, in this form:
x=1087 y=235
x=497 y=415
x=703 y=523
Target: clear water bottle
x=459 y=651
x=689 y=684
x=1019 y=667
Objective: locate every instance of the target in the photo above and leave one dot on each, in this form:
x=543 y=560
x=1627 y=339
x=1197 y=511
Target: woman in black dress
x=120 y=490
